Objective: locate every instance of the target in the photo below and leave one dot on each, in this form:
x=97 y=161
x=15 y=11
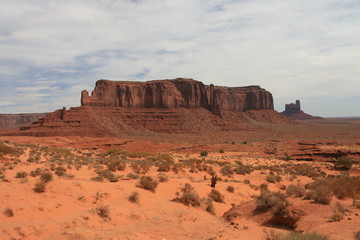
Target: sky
x=297 y=49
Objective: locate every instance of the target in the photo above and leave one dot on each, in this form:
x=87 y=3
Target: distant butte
x=174 y=106
x=293 y=111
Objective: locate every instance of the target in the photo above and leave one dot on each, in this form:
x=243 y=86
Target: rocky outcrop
x=9 y=121
x=179 y=105
x=293 y=111
x=176 y=93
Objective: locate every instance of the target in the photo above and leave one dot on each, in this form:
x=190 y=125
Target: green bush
x=148 y=183
x=343 y=163
x=300 y=236
x=103 y=212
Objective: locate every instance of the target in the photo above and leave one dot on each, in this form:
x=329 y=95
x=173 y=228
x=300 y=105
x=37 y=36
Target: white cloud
x=295 y=49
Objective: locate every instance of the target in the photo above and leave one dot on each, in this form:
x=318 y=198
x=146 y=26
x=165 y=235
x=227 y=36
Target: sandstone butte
x=293 y=111
x=173 y=106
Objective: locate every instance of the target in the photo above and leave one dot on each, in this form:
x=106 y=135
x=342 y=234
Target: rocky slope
x=9 y=121
x=171 y=106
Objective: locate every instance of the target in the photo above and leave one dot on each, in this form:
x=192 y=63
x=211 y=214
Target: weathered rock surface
x=293 y=111
x=171 y=106
x=176 y=93
x=9 y=121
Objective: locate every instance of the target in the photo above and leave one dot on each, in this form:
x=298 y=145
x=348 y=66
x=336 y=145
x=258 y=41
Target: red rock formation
x=293 y=111
x=175 y=93
x=9 y=121
x=173 y=106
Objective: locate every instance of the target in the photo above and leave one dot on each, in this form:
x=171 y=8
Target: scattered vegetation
x=230 y=189
x=338 y=213
x=189 y=196
x=271 y=235
x=163 y=177
x=21 y=175
x=204 y=153
x=148 y=183
x=39 y=187
x=297 y=190
x=268 y=200
x=9 y=212
x=343 y=163
x=103 y=212
x=357 y=235
x=46 y=177
x=134 y=197
x=216 y=196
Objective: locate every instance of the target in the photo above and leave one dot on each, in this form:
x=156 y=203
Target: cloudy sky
x=296 y=49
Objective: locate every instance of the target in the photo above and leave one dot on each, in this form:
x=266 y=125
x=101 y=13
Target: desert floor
x=96 y=188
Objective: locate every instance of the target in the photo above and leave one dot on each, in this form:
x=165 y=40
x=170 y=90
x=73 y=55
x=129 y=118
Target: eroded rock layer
x=8 y=121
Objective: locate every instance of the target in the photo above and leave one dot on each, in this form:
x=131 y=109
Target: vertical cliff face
x=239 y=98
x=176 y=93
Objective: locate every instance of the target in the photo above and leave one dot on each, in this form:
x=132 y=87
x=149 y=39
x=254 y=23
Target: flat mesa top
x=175 y=80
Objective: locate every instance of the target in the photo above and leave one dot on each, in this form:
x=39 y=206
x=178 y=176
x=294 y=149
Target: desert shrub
x=357 y=235
x=209 y=206
x=343 y=163
x=148 y=183
x=300 y=236
x=39 y=187
x=356 y=204
x=97 y=179
x=227 y=170
x=345 y=186
x=134 y=197
x=204 y=153
x=338 y=213
x=230 y=189
x=271 y=178
x=103 y=211
x=21 y=175
x=243 y=169
x=268 y=200
x=221 y=151
x=46 y=177
x=5 y=149
x=263 y=187
x=288 y=158
x=36 y=172
x=107 y=174
x=133 y=176
x=216 y=196
x=9 y=212
x=60 y=171
x=306 y=170
x=295 y=190
x=116 y=165
x=189 y=196
x=163 y=177
x=140 y=167
x=164 y=166
x=320 y=191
